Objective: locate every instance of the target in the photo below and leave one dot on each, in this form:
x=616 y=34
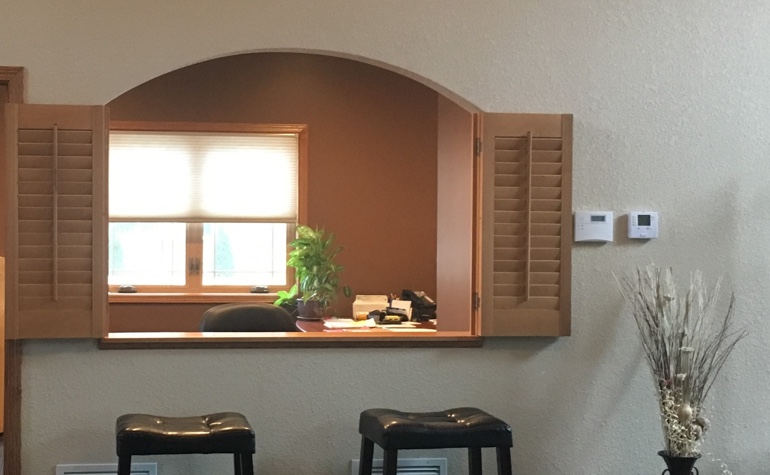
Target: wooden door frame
x=13 y=78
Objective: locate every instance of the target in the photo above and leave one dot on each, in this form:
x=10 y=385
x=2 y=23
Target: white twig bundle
x=686 y=344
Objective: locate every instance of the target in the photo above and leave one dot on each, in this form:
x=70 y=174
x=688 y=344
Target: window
x=201 y=208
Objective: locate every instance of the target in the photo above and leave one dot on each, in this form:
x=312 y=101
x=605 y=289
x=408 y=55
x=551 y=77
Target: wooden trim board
x=13 y=78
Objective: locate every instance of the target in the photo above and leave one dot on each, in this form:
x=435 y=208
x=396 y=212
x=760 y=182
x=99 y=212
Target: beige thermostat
x=643 y=225
x=593 y=226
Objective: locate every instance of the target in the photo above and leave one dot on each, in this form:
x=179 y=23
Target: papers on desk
x=348 y=323
x=407 y=327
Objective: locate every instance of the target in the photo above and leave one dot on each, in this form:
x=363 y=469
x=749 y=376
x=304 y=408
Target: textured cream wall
x=671 y=113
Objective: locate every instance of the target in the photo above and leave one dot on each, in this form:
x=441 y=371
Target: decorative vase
x=310 y=310
x=679 y=465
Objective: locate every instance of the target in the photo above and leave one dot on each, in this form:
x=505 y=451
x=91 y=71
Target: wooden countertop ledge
x=337 y=339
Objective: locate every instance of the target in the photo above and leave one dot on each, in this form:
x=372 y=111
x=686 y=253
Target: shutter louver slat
x=530 y=159
x=546 y=205
x=508 y=193
x=546 y=194
x=547 y=169
x=42 y=265
x=546 y=241
x=73 y=305
x=510 y=230
x=503 y=204
x=546 y=229
x=511 y=254
x=507 y=266
x=546 y=266
x=545 y=181
x=510 y=216
x=545 y=159
x=77 y=277
x=545 y=217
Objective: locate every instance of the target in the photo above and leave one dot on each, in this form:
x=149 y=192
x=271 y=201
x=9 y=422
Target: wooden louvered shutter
x=56 y=265
x=526 y=224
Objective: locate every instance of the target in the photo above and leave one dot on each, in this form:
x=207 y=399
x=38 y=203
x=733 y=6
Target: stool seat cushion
x=219 y=433
x=452 y=428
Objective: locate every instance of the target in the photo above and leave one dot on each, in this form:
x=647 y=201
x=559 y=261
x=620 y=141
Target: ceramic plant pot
x=679 y=465
x=310 y=310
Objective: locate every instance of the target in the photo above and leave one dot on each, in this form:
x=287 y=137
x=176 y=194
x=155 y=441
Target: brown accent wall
x=372 y=151
x=182 y=317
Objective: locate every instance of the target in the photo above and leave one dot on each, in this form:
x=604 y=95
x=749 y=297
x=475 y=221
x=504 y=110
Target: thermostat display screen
x=643 y=225
x=598 y=218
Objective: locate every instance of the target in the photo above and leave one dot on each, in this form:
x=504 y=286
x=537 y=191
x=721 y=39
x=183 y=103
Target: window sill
x=115 y=297
x=189 y=340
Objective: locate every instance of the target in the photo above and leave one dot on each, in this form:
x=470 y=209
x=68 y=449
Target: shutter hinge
x=477 y=146
x=476 y=301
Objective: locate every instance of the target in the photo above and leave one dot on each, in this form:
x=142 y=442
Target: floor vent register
x=105 y=469
x=414 y=466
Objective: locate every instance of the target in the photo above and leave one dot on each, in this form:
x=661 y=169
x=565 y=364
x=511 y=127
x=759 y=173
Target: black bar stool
x=220 y=433
x=463 y=427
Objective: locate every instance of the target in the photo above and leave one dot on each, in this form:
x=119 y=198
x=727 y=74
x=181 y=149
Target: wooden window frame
x=193 y=290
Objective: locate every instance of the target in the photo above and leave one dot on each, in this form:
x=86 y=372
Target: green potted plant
x=317 y=274
x=287 y=299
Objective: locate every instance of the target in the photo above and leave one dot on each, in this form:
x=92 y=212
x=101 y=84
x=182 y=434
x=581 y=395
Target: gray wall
x=670 y=103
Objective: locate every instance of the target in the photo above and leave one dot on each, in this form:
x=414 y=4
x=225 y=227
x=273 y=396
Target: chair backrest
x=247 y=317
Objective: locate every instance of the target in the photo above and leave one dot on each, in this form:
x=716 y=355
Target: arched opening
x=390 y=168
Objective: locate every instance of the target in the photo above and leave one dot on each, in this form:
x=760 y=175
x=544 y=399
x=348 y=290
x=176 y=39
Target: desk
x=309 y=326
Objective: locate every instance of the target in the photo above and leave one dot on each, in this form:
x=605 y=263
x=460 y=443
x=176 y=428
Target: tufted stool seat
x=220 y=433
x=463 y=427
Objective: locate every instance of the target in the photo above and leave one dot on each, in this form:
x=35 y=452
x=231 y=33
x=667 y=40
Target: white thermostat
x=643 y=225
x=593 y=226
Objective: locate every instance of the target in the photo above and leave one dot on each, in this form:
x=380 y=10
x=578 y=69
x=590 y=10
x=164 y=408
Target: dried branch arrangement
x=686 y=341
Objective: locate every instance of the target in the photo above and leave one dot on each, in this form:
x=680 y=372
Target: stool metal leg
x=474 y=460
x=504 y=461
x=365 y=458
x=390 y=462
x=237 y=465
x=124 y=465
x=245 y=464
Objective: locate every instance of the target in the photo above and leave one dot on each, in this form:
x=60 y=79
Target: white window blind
x=203 y=177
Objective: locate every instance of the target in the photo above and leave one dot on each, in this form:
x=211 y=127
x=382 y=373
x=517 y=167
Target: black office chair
x=247 y=317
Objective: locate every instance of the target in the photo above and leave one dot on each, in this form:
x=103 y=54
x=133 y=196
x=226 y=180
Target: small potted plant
x=287 y=299
x=317 y=274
